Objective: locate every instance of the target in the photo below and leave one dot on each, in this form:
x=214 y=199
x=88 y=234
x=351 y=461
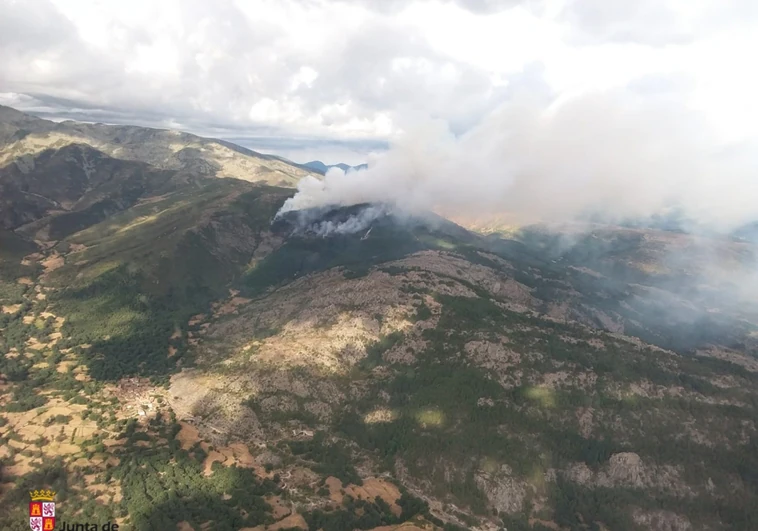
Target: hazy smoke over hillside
x=613 y=155
x=322 y=222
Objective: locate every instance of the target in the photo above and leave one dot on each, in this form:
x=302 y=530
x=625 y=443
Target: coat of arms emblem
x=42 y=510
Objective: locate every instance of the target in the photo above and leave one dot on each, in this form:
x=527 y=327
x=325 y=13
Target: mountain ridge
x=322 y=168
x=167 y=343
x=22 y=134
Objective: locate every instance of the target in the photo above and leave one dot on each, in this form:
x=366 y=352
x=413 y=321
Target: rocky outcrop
x=503 y=491
x=214 y=404
x=490 y=355
x=627 y=469
x=661 y=521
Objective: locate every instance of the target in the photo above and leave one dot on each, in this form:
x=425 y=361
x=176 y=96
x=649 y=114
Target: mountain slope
x=23 y=135
x=171 y=353
x=442 y=372
x=74 y=186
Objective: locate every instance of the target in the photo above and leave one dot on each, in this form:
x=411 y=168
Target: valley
x=175 y=357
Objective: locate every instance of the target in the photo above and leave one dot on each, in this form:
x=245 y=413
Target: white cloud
x=357 y=70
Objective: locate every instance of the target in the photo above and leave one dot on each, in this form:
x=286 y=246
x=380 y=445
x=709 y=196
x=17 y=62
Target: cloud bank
x=340 y=76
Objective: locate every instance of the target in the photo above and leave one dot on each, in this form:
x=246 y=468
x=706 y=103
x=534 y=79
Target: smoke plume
x=323 y=222
x=615 y=156
x=612 y=157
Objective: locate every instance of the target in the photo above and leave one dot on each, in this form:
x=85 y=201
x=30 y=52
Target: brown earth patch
x=369 y=491
x=89 y=480
x=22 y=464
x=65 y=366
x=213 y=456
x=79 y=463
x=279 y=507
x=29 y=259
x=187 y=436
x=196 y=319
x=18 y=445
x=234 y=454
x=34 y=344
x=335 y=486
x=54 y=407
x=62 y=448
x=110 y=497
x=373 y=488
x=21 y=467
x=242 y=456
x=229 y=306
x=53 y=262
x=11 y=308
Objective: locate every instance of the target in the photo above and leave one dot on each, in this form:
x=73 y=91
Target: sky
x=340 y=80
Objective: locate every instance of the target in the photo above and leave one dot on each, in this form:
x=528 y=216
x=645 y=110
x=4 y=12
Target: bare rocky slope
x=172 y=359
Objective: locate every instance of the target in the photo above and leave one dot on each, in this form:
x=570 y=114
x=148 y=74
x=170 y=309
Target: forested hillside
x=175 y=357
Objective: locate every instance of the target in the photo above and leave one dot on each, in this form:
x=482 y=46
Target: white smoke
x=358 y=222
x=613 y=154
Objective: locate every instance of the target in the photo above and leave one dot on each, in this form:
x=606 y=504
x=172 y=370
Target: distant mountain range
x=320 y=167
